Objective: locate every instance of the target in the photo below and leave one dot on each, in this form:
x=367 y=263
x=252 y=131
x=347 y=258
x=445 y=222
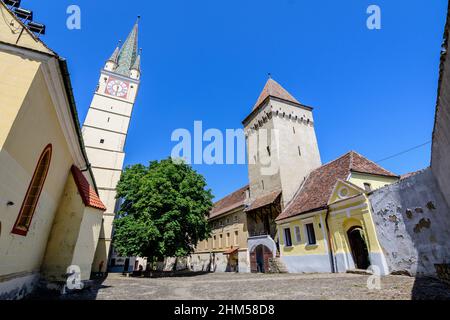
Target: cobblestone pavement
x=263 y=287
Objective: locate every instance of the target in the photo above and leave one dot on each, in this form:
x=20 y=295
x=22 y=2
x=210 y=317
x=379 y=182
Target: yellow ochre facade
x=40 y=142
x=344 y=236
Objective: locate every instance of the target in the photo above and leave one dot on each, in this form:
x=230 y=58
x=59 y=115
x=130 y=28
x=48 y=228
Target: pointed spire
x=137 y=63
x=274 y=89
x=115 y=56
x=129 y=52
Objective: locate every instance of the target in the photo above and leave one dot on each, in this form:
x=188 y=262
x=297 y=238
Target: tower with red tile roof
x=282 y=143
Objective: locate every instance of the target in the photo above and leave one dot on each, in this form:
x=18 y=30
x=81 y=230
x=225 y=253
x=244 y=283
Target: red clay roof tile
x=230 y=202
x=316 y=191
x=274 y=89
x=88 y=195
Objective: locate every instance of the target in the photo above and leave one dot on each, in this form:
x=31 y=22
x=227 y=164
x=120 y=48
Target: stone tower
x=105 y=131
x=282 y=144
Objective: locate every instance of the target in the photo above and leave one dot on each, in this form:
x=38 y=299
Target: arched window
x=34 y=191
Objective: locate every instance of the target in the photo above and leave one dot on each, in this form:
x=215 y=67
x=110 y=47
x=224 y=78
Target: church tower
x=105 y=131
x=281 y=143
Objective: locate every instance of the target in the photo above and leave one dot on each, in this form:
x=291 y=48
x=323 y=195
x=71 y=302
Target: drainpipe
x=330 y=243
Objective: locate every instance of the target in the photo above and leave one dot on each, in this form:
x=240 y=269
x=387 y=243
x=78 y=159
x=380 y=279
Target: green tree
x=164 y=211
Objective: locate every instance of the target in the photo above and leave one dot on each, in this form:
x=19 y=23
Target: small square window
x=368 y=187
x=102 y=141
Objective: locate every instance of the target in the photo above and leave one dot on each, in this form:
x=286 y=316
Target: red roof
x=230 y=202
x=274 y=89
x=318 y=187
x=87 y=192
x=264 y=201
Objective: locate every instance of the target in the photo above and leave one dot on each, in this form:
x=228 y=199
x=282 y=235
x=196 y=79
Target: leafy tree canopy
x=164 y=211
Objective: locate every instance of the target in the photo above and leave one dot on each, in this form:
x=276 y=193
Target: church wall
x=73 y=238
x=107 y=120
x=295 y=166
x=440 y=162
x=412 y=222
x=10 y=30
x=18 y=159
x=87 y=241
x=64 y=234
x=376 y=182
x=112 y=105
x=264 y=168
x=111 y=140
x=17 y=75
x=106 y=159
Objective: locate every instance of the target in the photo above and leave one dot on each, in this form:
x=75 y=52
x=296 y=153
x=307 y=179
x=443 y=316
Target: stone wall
x=440 y=163
x=412 y=220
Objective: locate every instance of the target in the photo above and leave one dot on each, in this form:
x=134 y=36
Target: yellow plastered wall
x=74 y=236
x=30 y=126
x=342 y=219
x=17 y=74
x=376 y=182
x=302 y=247
x=12 y=32
x=239 y=226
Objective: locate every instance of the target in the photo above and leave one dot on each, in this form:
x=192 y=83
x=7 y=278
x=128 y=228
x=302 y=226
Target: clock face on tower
x=117 y=88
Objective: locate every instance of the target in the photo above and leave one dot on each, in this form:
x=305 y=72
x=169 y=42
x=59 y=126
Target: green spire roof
x=129 y=52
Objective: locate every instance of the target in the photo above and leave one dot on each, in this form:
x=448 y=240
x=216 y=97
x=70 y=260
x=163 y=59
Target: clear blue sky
x=373 y=91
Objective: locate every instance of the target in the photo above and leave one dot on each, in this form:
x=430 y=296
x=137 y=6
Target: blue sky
x=373 y=91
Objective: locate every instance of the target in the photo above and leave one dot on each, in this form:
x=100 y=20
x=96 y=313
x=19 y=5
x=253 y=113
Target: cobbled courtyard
x=261 y=287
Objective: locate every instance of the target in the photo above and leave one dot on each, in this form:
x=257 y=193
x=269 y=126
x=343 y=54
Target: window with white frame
x=298 y=235
x=287 y=237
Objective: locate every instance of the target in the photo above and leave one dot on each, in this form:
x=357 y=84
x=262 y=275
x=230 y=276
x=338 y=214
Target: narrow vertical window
x=311 y=234
x=298 y=236
x=269 y=152
x=31 y=200
x=287 y=237
x=299 y=151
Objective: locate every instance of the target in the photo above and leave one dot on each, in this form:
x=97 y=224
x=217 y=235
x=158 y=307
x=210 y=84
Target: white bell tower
x=105 y=131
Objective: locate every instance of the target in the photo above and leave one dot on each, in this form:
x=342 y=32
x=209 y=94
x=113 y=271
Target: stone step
x=277 y=266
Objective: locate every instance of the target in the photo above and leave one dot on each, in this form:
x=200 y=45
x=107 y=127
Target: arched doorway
x=359 y=248
x=259 y=259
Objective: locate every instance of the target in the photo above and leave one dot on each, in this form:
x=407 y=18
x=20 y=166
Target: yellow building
x=50 y=213
x=328 y=226
x=226 y=249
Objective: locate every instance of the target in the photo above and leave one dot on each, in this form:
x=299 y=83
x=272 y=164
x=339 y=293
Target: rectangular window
x=287 y=237
x=228 y=240
x=299 y=151
x=269 y=151
x=298 y=236
x=311 y=234
x=235 y=219
x=236 y=238
x=214 y=242
x=221 y=241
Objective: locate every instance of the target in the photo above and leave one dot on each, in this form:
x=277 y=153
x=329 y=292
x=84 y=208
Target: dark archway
x=359 y=248
x=259 y=259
